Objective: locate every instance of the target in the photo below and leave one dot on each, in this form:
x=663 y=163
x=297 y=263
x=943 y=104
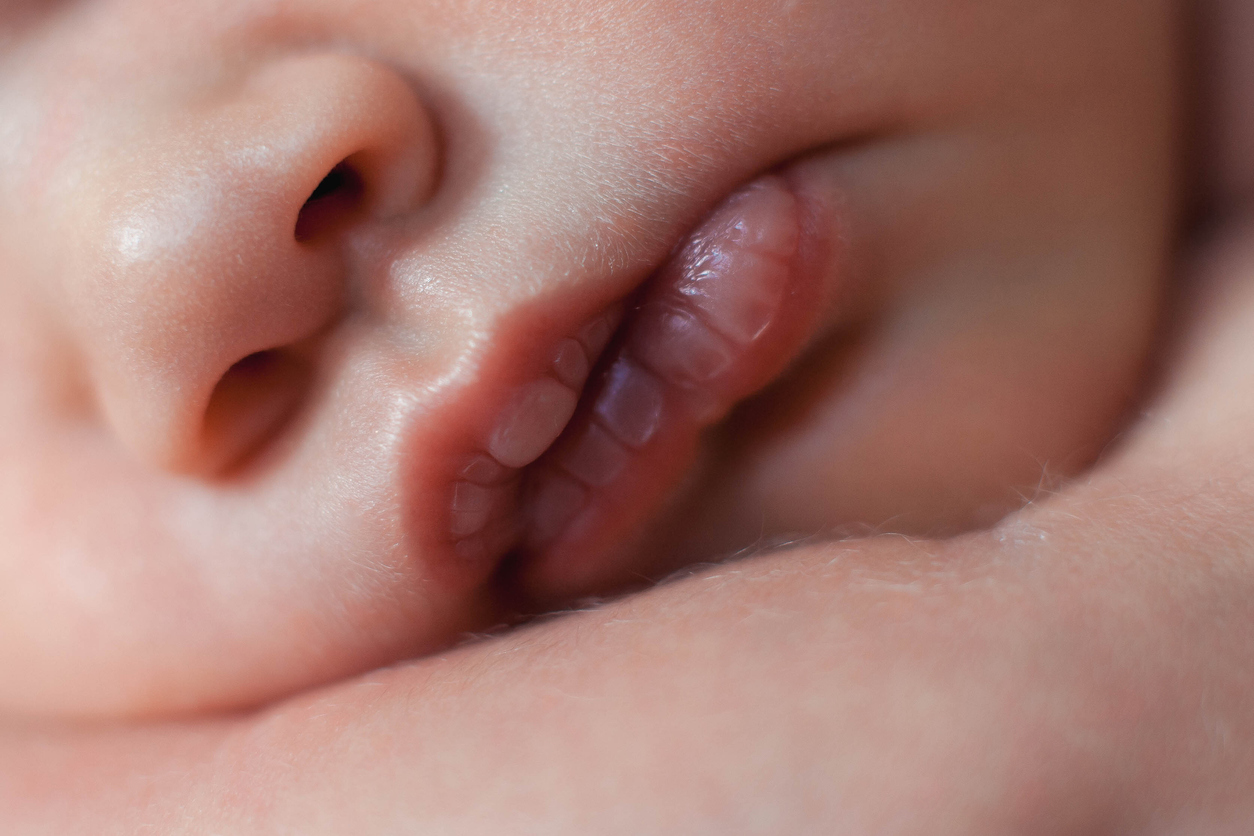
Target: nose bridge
x=215 y=237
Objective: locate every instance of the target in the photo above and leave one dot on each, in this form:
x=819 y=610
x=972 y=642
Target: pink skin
x=297 y=297
x=1081 y=668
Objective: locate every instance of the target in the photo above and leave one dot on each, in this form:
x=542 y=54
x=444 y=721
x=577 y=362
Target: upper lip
x=516 y=331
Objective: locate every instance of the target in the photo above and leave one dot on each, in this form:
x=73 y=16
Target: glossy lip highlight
x=722 y=319
x=580 y=448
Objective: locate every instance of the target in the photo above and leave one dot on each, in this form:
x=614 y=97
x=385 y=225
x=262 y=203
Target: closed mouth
x=584 y=438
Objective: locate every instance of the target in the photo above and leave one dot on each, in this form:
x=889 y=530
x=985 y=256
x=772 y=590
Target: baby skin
x=329 y=332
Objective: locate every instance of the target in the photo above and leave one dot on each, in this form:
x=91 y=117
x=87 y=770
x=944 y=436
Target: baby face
x=319 y=319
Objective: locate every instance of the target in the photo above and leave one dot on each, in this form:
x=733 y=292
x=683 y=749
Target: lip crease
x=560 y=456
x=717 y=323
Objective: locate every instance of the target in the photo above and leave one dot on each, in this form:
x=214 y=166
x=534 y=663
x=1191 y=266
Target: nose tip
x=219 y=256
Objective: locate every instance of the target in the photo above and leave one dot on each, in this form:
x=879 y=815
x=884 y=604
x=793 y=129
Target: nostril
x=335 y=203
x=338 y=180
x=251 y=404
x=300 y=162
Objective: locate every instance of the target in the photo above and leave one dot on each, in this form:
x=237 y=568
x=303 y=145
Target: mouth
x=598 y=426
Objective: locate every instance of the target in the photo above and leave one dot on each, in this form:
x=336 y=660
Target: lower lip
x=725 y=317
x=568 y=443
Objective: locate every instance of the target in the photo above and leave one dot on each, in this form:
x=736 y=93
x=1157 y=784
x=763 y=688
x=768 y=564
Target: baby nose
x=220 y=249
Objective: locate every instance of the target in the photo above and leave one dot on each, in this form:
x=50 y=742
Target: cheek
x=227 y=467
